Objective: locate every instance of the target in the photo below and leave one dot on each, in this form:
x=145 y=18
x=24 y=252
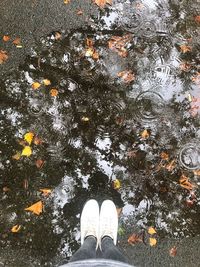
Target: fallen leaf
x=37 y=141
x=119 y=43
x=145 y=134
x=116 y=184
x=164 y=156
x=6 y=189
x=102 y=3
x=46 y=82
x=6 y=38
x=197 y=18
x=85 y=119
x=67 y=1
x=196 y=172
x=27 y=151
x=17 y=156
x=185 y=66
x=90 y=50
x=3 y=56
x=151 y=231
x=58 y=36
x=39 y=163
x=16 y=228
x=36 y=85
x=127 y=75
x=35 y=208
x=53 y=92
x=185 y=48
x=28 y=137
x=79 y=12
x=17 y=41
x=45 y=191
x=173 y=251
x=134 y=238
x=171 y=165
x=184 y=182
x=152 y=241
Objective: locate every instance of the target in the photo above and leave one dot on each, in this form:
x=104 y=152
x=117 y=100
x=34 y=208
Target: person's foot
x=90 y=220
x=108 y=221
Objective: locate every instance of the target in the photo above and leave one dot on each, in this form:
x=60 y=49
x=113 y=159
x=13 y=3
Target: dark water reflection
x=91 y=131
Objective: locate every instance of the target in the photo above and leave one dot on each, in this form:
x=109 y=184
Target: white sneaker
x=108 y=221
x=90 y=220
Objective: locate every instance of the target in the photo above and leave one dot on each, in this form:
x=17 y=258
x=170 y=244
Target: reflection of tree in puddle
x=92 y=130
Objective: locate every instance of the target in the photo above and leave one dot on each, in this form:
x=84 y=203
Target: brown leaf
x=6 y=189
x=164 y=156
x=17 y=41
x=37 y=141
x=90 y=50
x=184 y=182
x=102 y=3
x=171 y=165
x=119 y=43
x=3 y=56
x=17 y=156
x=79 y=12
x=196 y=172
x=45 y=191
x=134 y=238
x=39 y=163
x=67 y=1
x=6 y=38
x=127 y=75
x=173 y=251
x=58 y=36
x=197 y=18
x=35 y=208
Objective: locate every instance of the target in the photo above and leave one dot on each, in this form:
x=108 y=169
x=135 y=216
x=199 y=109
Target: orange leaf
x=54 y=92
x=16 y=228
x=127 y=75
x=152 y=241
x=58 y=35
x=45 y=191
x=196 y=172
x=3 y=56
x=79 y=12
x=17 y=41
x=118 y=44
x=36 y=85
x=173 y=251
x=35 y=208
x=185 y=48
x=6 y=38
x=37 y=141
x=134 y=238
x=164 y=156
x=171 y=165
x=67 y=1
x=102 y=3
x=145 y=134
x=151 y=231
x=39 y=163
x=17 y=156
x=184 y=182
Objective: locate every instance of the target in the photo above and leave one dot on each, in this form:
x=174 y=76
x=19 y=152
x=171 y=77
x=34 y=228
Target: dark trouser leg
x=110 y=251
x=86 y=251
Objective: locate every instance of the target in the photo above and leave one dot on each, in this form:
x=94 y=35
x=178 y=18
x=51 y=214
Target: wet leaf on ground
x=152 y=241
x=184 y=182
x=16 y=228
x=3 y=56
x=28 y=137
x=173 y=251
x=36 y=85
x=102 y=3
x=134 y=239
x=151 y=231
x=116 y=184
x=119 y=43
x=127 y=76
x=6 y=38
x=45 y=191
x=27 y=151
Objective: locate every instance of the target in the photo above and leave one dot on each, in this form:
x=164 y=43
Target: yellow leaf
x=145 y=134
x=66 y=2
x=28 y=137
x=116 y=184
x=46 y=191
x=17 y=156
x=152 y=241
x=151 y=231
x=36 y=85
x=46 y=82
x=16 y=228
x=36 y=208
x=85 y=119
x=27 y=151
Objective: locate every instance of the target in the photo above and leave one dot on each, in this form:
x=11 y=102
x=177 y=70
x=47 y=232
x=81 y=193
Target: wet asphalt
x=32 y=19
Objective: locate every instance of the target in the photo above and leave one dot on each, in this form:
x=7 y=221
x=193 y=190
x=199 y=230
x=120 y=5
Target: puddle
x=122 y=103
